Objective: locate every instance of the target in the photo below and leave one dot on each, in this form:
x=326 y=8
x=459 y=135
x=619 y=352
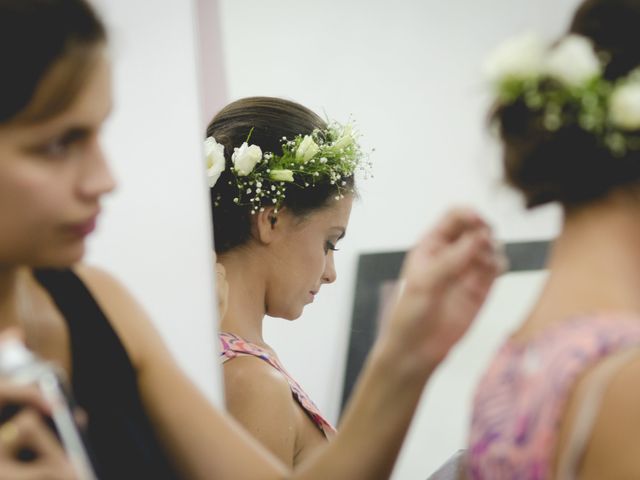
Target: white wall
x=155 y=234
x=409 y=72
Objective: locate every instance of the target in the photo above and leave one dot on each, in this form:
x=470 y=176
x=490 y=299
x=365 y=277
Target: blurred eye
x=56 y=148
x=61 y=146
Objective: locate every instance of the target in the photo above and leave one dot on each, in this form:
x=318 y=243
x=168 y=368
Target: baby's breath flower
x=327 y=155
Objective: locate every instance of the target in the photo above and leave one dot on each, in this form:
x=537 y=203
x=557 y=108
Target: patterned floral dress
x=232 y=346
x=520 y=401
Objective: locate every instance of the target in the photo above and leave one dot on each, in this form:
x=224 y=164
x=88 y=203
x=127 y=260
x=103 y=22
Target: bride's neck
x=246 y=308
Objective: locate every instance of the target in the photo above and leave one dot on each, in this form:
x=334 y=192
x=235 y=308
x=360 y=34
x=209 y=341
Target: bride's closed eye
x=330 y=246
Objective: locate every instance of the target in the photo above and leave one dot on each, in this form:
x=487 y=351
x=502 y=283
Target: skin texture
x=278 y=273
x=52 y=178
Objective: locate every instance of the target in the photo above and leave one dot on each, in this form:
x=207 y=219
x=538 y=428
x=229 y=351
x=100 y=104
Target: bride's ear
x=266 y=223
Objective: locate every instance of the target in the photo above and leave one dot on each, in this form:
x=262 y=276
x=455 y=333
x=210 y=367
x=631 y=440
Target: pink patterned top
x=520 y=401
x=232 y=346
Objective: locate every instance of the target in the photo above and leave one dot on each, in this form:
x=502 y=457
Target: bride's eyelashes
x=330 y=246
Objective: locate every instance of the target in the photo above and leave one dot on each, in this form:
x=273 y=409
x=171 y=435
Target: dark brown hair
x=571 y=165
x=49 y=44
x=269 y=119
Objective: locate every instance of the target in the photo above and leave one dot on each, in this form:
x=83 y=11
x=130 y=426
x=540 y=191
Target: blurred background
x=409 y=72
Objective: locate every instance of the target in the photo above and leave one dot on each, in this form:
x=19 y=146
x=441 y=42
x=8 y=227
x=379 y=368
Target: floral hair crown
x=328 y=155
x=565 y=85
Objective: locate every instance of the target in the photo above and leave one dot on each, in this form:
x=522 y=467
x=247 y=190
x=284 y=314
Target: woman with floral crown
x=561 y=398
x=282 y=185
x=279 y=210
x=146 y=420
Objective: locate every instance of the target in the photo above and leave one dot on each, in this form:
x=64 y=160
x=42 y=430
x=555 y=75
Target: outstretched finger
x=447 y=266
x=456 y=222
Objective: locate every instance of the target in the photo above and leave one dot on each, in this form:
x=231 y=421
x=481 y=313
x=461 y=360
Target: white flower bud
x=307 y=149
x=345 y=140
x=281 y=175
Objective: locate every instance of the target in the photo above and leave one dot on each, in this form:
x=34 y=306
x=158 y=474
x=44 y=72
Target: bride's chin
x=285 y=314
x=293 y=315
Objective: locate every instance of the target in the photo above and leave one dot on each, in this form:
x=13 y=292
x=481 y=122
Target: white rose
x=307 y=149
x=281 y=175
x=214 y=154
x=624 y=106
x=519 y=58
x=573 y=61
x=245 y=158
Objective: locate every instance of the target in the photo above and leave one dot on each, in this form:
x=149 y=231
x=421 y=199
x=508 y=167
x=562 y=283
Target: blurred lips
x=84 y=228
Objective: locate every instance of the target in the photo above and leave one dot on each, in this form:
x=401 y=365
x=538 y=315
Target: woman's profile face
x=52 y=177
x=301 y=261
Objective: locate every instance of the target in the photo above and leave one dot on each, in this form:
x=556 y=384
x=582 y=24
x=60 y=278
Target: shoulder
x=249 y=378
x=124 y=313
x=259 y=397
x=611 y=391
x=101 y=283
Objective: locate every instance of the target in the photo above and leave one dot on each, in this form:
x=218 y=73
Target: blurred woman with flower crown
x=146 y=420
x=561 y=398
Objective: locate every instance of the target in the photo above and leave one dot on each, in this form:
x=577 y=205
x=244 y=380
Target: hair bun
x=614 y=28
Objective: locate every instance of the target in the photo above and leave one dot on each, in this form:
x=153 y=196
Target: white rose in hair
x=307 y=149
x=573 y=61
x=518 y=58
x=214 y=154
x=245 y=158
x=624 y=106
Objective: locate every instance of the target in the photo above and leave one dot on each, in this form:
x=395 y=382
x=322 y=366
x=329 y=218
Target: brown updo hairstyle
x=47 y=51
x=570 y=165
x=271 y=119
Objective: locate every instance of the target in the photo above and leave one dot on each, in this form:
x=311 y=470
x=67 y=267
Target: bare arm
x=203 y=442
x=447 y=277
x=259 y=397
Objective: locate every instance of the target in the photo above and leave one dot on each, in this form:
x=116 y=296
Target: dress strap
x=591 y=395
x=88 y=326
x=232 y=346
x=105 y=384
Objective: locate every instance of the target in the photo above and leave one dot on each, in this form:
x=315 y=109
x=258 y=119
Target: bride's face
x=301 y=260
x=52 y=176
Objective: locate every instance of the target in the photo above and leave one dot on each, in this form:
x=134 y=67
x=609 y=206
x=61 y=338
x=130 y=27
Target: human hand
x=27 y=431
x=222 y=290
x=445 y=279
